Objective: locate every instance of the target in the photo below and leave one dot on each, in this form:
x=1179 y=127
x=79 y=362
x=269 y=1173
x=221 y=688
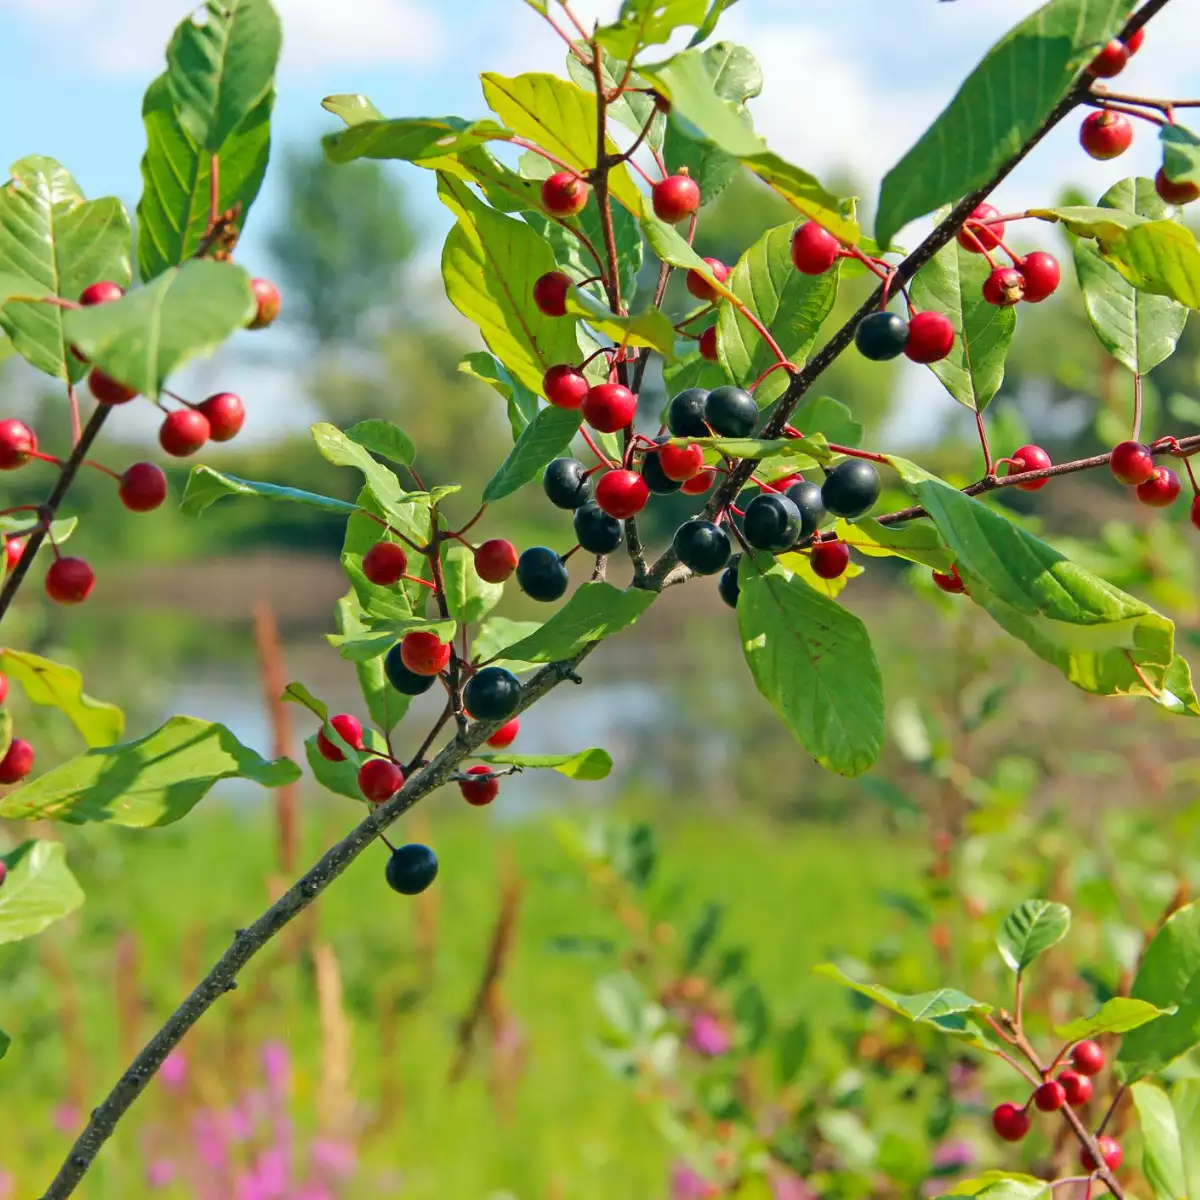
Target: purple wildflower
x=707 y=1036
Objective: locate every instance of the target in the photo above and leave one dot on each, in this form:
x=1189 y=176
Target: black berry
x=685 y=414
x=881 y=336
x=702 y=546
x=492 y=694
x=772 y=523
x=411 y=869
x=567 y=483
x=541 y=574
x=806 y=496
x=596 y=531
x=727 y=585
x=406 y=682
x=731 y=412
x=851 y=488
x=652 y=473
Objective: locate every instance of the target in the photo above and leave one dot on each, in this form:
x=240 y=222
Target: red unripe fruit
x=681 y=463
x=609 y=407
x=17 y=443
x=14 y=547
x=565 y=386
x=1181 y=191
x=267 y=303
x=1010 y=1122
x=104 y=292
x=1076 y=1088
x=699 y=484
x=143 y=487
x=814 y=249
x=1105 y=134
x=479 y=791
x=1134 y=42
x=3 y=872
x=385 y=563
x=1131 y=464
x=70 y=580
x=1110 y=61
x=1088 y=1058
x=564 y=194
x=622 y=494
x=505 y=735
x=1042 y=275
x=784 y=482
x=830 y=559
x=978 y=238
x=700 y=287
x=183 y=432
x=708 y=344
x=1050 y=1096
x=1161 y=489
x=930 y=337
x=349 y=728
x=379 y=780
x=550 y=293
x=1195 y=518
x=950 y=581
x=495 y=560
x=675 y=197
x=423 y=653
x=3 y=689
x=108 y=390
x=226 y=415
x=17 y=761
x=1004 y=287
x=1030 y=458
x=1110 y=1150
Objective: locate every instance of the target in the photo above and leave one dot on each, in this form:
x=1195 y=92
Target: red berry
x=143 y=487
x=17 y=443
x=609 y=407
x=267 y=303
x=379 y=780
x=550 y=293
x=103 y=292
x=1004 y=287
x=183 y=432
x=1030 y=458
x=930 y=337
x=699 y=484
x=978 y=238
x=1105 y=134
x=423 y=653
x=14 y=547
x=1076 y=1088
x=708 y=344
x=1042 y=274
x=1131 y=463
x=622 y=494
x=830 y=559
x=1134 y=42
x=70 y=580
x=565 y=386
x=1050 y=1096
x=385 y=563
x=1195 y=518
x=564 y=194
x=1010 y=1122
x=1111 y=1151
x=495 y=560
x=3 y=872
x=1161 y=489
x=814 y=249
x=226 y=415
x=681 y=463
x=505 y=735
x=1088 y=1058
x=675 y=197
x=3 y=689
x=107 y=390
x=1182 y=191
x=700 y=287
x=350 y=729
x=950 y=581
x=479 y=791
x=1111 y=60
x=17 y=761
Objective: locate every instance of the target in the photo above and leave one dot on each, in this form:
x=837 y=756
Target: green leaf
x=385 y=439
x=824 y=415
x=1169 y=975
x=1031 y=929
x=952 y=284
x=632 y=108
x=379 y=638
x=1002 y=1185
x=206 y=486
x=575 y=260
x=946 y=1009
x=38 y=891
x=1181 y=154
x=1170 y=1137
x=1105 y=223
x=58 y=686
x=916 y=541
x=362 y=533
x=753 y=1018
x=54 y=243
x=1118 y=1015
x=651 y=327
x=999 y=107
x=185 y=312
x=152 y=781
x=341 y=450
x=341 y=778
x=386 y=706
x=548 y=437
x=297 y=693
x=1138 y=329
x=715 y=9
x=468 y=597
x=814 y=447
x=792 y=1051
x=353 y=108
x=702 y=936
x=1159 y=257
x=595 y=611
x=219 y=71
x=671 y=247
x=522 y=403
x=642 y=23
x=173 y=213
x=583 y=765
x=497 y=633
x=813 y=662
x=5 y=1042
x=413 y=139
x=790 y=304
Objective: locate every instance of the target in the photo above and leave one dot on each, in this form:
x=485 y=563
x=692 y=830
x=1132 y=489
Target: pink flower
x=707 y=1036
x=160 y=1173
x=333 y=1158
x=174 y=1070
x=787 y=1185
x=8 y=1186
x=687 y=1184
x=211 y=1141
x=954 y=1154
x=65 y=1118
x=277 y=1066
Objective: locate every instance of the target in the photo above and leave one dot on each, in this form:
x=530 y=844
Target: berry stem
x=604 y=459
x=214 y=192
x=471 y=523
x=422 y=582
x=1137 y=406
x=782 y=365
x=1163 y=106
x=612 y=278
x=1112 y=1108
x=1103 y=102
x=430 y=738
x=526 y=144
x=852 y=452
x=73 y=402
x=988 y=471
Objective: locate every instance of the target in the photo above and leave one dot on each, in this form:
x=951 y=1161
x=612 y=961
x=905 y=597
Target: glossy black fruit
x=727 y=585
x=685 y=414
x=541 y=574
x=567 y=483
x=806 y=496
x=881 y=336
x=596 y=531
x=652 y=473
x=731 y=412
x=406 y=682
x=851 y=488
x=702 y=546
x=411 y=869
x=772 y=523
x=492 y=694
